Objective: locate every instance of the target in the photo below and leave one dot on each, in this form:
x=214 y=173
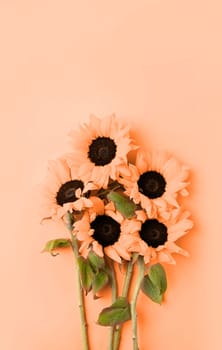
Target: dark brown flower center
x=106 y=230
x=154 y=233
x=102 y=150
x=152 y=184
x=67 y=191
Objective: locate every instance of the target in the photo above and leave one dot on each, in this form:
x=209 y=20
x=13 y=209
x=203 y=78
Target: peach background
x=157 y=64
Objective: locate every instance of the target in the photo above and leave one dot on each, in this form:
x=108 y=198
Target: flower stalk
x=125 y=291
x=75 y=249
x=141 y=269
x=114 y=296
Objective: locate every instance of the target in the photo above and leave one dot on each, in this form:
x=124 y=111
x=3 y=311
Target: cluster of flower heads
x=80 y=183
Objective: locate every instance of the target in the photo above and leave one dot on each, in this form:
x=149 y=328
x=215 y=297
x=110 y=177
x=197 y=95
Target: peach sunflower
x=100 y=149
x=107 y=234
x=64 y=191
x=157 y=237
x=155 y=181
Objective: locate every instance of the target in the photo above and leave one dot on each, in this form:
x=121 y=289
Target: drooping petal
x=97 y=205
x=141 y=161
x=179 y=229
x=112 y=253
x=174 y=248
x=166 y=257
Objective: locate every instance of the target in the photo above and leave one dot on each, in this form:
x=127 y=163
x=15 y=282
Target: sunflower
x=64 y=191
x=100 y=149
x=158 y=237
x=155 y=181
x=107 y=234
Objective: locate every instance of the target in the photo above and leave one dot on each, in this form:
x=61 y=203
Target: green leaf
x=96 y=261
x=100 y=281
x=55 y=244
x=151 y=290
x=86 y=273
x=123 y=204
x=157 y=276
x=154 y=283
x=117 y=313
x=120 y=302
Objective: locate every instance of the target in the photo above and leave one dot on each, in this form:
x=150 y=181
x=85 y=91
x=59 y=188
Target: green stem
x=79 y=287
x=114 y=296
x=115 y=187
x=141 y=268
x=128 y=277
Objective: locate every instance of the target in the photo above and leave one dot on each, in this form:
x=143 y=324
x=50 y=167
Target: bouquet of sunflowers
x=118 y=212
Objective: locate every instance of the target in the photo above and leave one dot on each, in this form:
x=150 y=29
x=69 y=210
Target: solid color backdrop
x=157 y=65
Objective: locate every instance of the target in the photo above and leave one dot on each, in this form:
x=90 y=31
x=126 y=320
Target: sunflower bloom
x=107 y=234
x=155 y=182
x=63 y=191
x=100 y=149
x=158 y=237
